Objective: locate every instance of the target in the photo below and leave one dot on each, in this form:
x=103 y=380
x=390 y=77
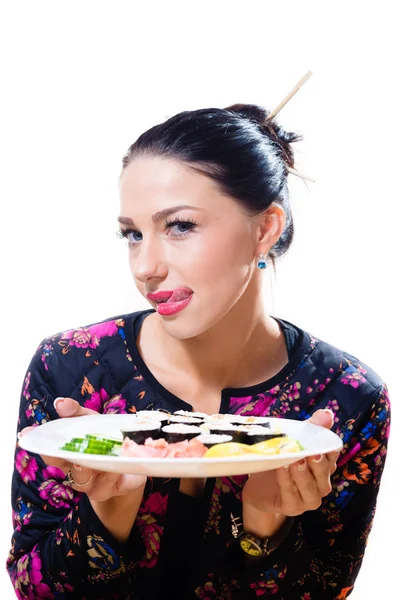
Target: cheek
x=224 y=261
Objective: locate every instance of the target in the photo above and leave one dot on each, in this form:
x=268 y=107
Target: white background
x=81 y=80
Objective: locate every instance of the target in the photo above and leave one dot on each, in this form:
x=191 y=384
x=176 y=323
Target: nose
x=149 y=262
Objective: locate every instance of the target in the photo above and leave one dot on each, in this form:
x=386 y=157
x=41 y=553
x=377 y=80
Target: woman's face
x=211 y=249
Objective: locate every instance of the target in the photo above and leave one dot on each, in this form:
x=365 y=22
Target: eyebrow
x=162 y=214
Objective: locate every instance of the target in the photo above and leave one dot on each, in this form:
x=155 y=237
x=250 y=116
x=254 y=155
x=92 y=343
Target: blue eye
x=130 y=236
x=133 y=236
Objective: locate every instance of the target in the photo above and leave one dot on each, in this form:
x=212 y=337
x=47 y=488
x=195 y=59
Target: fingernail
x=286 y=467
x=56 y=401
x=318 y=458
x=301 y=465
x=77 y=467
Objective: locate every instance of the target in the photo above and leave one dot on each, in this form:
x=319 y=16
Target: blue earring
x=262 y=261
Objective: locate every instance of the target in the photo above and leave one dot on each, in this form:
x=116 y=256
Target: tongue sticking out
x=179 y=295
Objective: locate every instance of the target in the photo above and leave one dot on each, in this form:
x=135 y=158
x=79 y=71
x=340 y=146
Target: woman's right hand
x=111 y=495
x=99 y=486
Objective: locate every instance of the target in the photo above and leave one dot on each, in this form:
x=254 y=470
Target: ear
x=270 y=227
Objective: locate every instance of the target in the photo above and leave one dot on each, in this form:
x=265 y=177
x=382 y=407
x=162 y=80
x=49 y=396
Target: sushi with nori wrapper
x=179 y=432
x=256 y=435
x=185 y=420
x=227 y=429
x=140 y=431
x=188 y=413
x=212 y=439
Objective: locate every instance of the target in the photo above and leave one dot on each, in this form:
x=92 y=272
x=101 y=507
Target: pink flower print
x=284 y=408
x=104 y=330
x=36 y=411
x=28 y=574
x=103 y=404
x=334 y=406
x=81 y=338
x=58 y=494
x=235 y=403
x=26 y=393
x=89 y=337
x=262 y=405
x=23 y=515
x=116 y=404
x=26 y=466
x=41 y=589
x=309 y=390
x=354 y=377
x=349 y=455
x=151 y=532
x=293 y=391
x=59 y=536
x=53 y=472
x=156 y=503
x=206 y=589
x=260 y=587
x=47 y=350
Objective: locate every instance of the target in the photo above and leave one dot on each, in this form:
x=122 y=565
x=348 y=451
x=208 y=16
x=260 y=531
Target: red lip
x=163 y=296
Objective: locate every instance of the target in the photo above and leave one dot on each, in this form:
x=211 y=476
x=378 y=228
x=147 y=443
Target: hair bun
x=281 y=138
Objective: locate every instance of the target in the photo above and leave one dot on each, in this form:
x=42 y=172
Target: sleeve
x=321 y=557
x=60 y=549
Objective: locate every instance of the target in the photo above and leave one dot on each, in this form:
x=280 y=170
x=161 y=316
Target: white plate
x=47 y=439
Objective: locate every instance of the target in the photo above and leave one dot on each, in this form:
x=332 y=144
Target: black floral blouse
x=183 y=547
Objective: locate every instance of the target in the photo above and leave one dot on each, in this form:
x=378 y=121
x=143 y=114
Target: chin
x=187 y=326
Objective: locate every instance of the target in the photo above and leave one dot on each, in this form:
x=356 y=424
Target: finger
x=290 y=498
x=333 y=457
x=306 y=484
x=48 y=460
x=82 y=479
x=102 y=486
x=23 y=432
x=323 y=417
x=320 y=467
x=68 y=407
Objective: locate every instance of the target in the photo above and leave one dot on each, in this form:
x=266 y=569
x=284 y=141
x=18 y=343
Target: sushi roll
x=212 y=439
x=255 y=434
x=262 y=421
x=248 y=420
x=179 y=432
x=220 y=418
x=188 y=413
x=140 y=431
x=185 y=420
x=153 y=415
x=227 y=429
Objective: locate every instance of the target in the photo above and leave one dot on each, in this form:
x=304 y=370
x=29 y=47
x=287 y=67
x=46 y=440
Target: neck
x=234 y=352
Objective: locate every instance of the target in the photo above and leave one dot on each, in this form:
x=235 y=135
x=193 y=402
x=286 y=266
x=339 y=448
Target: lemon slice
x=227 y=449
x=275 y=442
x=276 y=445
x=290 y=446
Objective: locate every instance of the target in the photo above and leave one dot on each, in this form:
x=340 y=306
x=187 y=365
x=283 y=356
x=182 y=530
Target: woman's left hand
x=293 y=490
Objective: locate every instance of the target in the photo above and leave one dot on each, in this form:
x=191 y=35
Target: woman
x=205 y=209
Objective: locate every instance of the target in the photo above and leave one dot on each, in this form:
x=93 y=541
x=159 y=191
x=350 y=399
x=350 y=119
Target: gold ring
x=73 y=482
